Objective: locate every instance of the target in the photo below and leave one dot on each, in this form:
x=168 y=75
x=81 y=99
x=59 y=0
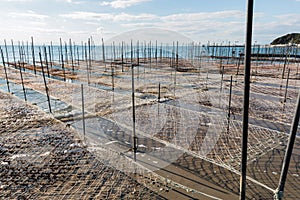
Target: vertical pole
x=83 y=117
x=131 y=53
x=286 y=86
x=90 y=60
x=77 y=49
x=21 y=76
x=229 y=105
x=71 y=52
x=138 y=54
x=285 y=61
x=27 y=52
x=63 y=67
x=133 y=114
x=45 y=83
x=66 y=53
x=13 y=51
x=159 y=92
x=52 y=53
x=62 y=59
x=222 y=77
x=112 y=77
x=50 y=57
x=103 y=54
x=156 y=53
x=87 y=65
x=3 y=61
x=122 y=52
x=6 y=51
x=288 y=153
x=246 y=99
x=46 y=60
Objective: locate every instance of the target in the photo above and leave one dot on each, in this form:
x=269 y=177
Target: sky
x=216 y=21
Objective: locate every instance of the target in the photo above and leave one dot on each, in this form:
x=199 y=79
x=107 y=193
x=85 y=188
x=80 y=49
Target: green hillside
x=286 y=39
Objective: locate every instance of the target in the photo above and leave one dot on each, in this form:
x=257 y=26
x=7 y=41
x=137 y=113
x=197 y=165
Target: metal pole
x=246 y=100
x=3 y=61
x=133 y=114
x=288 y=153
x=33 y=56
x=83 y=117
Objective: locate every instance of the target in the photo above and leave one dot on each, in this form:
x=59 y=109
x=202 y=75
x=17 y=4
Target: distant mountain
x=292 y=38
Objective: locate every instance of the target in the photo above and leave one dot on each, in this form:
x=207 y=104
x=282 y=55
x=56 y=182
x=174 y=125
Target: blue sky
x=201 y=20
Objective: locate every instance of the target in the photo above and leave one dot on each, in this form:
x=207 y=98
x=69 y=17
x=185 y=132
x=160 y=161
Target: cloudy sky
x=200 y=20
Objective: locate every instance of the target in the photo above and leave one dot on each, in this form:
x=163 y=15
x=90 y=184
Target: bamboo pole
x=286 y=86
x=83 y=116
x=33 y=55
x=50 y=57
x=22 y=81
x=45 y=83
x=103 y=54
x=229 y=105
x=46 y=60
x=13 y=51
x=71 y=52
x=66 y=53
x=6 y=51
x=122 y=55
x=5 y=70
x=133 y=114
x=159 y=92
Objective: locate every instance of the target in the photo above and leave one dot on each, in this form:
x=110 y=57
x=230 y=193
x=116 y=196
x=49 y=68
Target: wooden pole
x=66 y=53
x=6 y=51
x=159 y=92
x=71 y=52
x=229 y=105
x=5 y=71
x=90 y=60
x=286 y=86
x=13 y=51
x=83 y=116
x=122 y=55
x=103 y=54
x=133 y=114
x=45 y=83
x=46 y=60
x=50 y=57
x=22 y=81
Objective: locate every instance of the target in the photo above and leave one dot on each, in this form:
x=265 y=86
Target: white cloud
x=204 y=15
x=29 y=14
x=108 y=16
x=71 y=1
x=88 y=16
x=122 y=3
x=18 y=0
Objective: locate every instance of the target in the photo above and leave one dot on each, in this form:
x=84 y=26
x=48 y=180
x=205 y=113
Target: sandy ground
x=191 y=106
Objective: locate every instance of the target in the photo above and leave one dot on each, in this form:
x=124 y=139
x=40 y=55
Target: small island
x=291 y=38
